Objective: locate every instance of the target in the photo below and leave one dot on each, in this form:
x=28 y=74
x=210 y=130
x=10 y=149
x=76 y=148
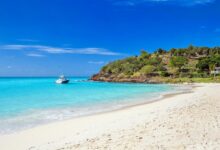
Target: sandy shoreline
x=185 y=121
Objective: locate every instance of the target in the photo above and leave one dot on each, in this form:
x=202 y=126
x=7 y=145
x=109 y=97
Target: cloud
x=59 y=50
x=35 y=55
x=96 y=62
x=176 y=2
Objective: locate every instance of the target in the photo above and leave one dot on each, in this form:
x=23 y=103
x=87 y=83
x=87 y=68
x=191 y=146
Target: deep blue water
x=26 y=102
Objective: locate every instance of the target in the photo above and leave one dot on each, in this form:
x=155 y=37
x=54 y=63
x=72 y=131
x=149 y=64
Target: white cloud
x=59 y=50
x=96 y=62
x=177 y=2
x=35 y=55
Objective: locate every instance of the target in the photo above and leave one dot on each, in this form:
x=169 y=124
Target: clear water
x=27 y=102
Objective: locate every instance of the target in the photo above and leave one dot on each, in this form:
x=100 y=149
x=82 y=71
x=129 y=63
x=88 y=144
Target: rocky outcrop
x=142 y=79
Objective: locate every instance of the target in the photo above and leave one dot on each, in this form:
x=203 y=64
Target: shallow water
x=27 y=102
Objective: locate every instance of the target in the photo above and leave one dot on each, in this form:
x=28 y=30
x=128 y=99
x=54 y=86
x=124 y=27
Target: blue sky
x=77 y=37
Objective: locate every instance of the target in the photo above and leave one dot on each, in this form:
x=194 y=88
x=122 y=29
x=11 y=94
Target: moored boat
x=62 y=80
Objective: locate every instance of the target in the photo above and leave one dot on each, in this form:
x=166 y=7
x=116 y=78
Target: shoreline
x=79 y=132
x=129 y=104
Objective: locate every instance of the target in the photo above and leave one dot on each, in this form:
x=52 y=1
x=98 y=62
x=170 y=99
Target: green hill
x=192 y=64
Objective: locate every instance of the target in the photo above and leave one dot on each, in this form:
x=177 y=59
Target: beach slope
x=184 y=121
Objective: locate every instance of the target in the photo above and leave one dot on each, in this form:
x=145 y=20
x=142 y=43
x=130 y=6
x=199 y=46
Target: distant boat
x=62 y=80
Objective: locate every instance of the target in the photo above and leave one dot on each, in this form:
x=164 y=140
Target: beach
x=182 y=121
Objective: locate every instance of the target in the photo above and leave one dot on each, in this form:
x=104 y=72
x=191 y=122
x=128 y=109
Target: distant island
x=177 y=65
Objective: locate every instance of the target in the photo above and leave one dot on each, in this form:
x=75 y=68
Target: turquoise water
x=27 y=102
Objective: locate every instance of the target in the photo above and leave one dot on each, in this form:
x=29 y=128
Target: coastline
x=96 y=130
x=130 y=102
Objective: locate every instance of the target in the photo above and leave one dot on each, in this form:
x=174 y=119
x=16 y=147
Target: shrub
x=147 y=70
x=164 y=74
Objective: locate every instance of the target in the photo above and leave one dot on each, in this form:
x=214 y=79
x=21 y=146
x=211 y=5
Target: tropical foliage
x=188 y=62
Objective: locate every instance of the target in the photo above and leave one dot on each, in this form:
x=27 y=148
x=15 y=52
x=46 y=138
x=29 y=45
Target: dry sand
x=185 y=121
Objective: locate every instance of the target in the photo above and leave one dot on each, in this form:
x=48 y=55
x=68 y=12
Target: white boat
x=62 y=80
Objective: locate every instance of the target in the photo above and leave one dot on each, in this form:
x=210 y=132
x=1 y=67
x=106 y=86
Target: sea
x=26 y=102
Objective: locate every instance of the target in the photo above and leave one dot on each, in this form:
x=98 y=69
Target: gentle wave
x=88 y=98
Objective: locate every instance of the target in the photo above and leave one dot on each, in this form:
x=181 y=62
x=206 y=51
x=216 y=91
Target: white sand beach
x=184 y=121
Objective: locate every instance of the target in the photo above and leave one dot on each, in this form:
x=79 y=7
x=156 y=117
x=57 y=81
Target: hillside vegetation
x=192 y=64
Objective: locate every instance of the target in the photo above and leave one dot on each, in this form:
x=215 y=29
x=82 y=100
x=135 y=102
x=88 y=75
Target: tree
x=172 y=51
x=142 y=60
x=189 y=62
x=144 y=55
x=208 y=63
x=160 y=51
x=148 y=69
x=191 y=47
x=178 y=61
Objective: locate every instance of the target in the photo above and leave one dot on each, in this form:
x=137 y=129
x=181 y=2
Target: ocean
x=28 y=102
